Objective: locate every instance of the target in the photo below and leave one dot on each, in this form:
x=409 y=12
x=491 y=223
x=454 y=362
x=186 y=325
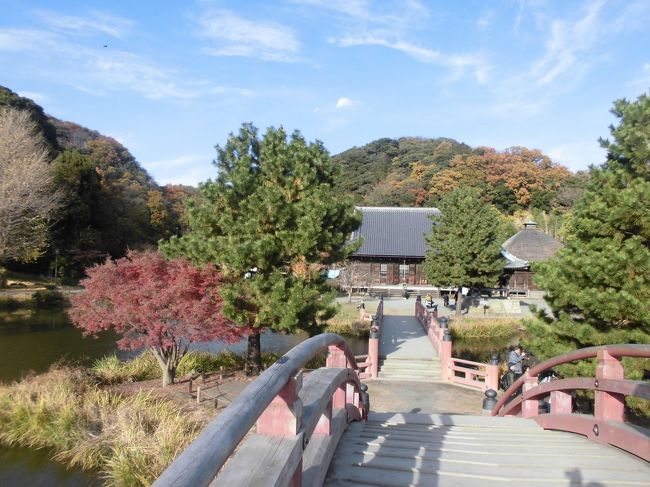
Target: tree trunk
x=169 y=375
x=167 y=366
x=459 y=301
x=253 y=354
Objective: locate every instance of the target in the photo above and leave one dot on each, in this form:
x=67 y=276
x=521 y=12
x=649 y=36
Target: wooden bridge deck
x=397 y=449
x=411 y=449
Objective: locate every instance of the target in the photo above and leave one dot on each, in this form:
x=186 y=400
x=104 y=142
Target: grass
x=346 y=322
x=485 y=329
x=129 y=440
x=111 y=370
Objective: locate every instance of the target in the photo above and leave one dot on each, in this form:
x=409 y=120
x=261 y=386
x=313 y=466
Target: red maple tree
x=155 y=303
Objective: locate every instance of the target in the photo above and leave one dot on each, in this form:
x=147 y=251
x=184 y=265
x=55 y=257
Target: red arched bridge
x=290 y=429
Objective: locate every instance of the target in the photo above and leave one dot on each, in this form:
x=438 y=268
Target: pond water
x=31 y=341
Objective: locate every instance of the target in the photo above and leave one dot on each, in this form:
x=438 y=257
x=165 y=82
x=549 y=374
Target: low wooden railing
x=299 y=423
x=457 y=371
x=607 y=425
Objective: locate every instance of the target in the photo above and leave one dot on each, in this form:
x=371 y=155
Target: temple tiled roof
x=530 y=245
x=394 y=232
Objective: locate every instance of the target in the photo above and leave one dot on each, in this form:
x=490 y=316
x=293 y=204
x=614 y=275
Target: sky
x=171 y=80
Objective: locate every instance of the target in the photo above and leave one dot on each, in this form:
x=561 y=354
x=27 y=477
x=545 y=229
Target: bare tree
x=28 y=199
x=353 y=274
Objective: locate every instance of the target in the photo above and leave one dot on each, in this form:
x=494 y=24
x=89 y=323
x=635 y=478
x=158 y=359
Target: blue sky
x=172 y=79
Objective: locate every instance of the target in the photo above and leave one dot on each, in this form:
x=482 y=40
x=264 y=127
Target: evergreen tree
x=464 y=244
x=271 y=221
x=599 y=284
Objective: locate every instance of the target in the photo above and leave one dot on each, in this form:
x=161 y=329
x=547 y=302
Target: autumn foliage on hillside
x=154 y=303
x=420 y=172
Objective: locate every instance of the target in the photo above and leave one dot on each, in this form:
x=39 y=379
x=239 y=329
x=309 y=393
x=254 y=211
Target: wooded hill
x=412 y=171
x=110 y=203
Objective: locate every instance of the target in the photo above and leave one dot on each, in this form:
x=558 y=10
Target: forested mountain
x=419 y=172
x=110 y=203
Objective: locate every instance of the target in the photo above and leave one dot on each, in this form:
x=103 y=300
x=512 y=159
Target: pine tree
x=465 y=243
x=271 y=222
x=599 y=284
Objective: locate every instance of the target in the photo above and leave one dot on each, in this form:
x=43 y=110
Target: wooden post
x=492 y=373
x=530 y=407
x=338 y=399
x=283 y=416
x=373 y=355
x=336 y=357
x=198 y=395
x=608 y=406
x=445 y=360
x=324 y=426
x=561 y=402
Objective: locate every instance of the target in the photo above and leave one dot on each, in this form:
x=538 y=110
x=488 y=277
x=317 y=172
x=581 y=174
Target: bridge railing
x=299 y=423
x=372 y=369
x=457 y=371
x=607 y=424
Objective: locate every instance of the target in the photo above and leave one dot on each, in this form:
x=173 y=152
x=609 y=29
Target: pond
x=31 y=341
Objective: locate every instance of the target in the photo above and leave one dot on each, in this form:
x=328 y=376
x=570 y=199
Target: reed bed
x=127 y=440
x=346 y=322
x=485 y=329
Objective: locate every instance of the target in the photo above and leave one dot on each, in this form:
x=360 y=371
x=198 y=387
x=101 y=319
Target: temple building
x=527 y=246
x=394 y=244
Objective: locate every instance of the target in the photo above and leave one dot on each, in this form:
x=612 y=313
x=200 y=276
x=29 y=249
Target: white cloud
x=237 y=36
x=486 y=19
x=188 y=169
x=96 y=22
x=393 y=28
x=96 y=70
x=458 y=63
x=568 y=42
x=345 y=102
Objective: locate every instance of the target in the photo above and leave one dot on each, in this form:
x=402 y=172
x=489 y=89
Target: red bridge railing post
x=608 y=406
x=336 y=358
x=283 y=418
x=530 y=407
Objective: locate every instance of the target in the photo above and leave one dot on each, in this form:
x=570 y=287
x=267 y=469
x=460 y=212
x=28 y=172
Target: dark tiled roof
x=394 y=232
x=532 y=245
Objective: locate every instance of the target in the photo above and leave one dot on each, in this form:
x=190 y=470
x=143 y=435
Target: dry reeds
x=129 y=440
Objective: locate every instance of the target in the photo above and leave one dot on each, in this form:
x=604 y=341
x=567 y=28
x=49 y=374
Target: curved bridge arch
x=607 y=425
x=299 y=423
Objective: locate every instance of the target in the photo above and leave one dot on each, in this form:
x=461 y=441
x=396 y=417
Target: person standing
x=515 y=358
